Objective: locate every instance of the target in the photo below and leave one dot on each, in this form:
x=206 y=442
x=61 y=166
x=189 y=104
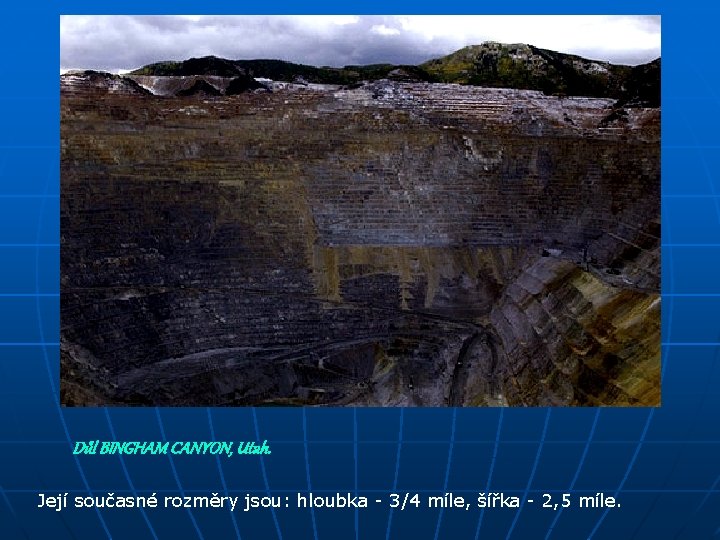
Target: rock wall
x=396 y=244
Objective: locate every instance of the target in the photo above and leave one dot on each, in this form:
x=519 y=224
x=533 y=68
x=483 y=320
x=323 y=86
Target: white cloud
x=383 y=30
x=597 y=34
x=344 y=20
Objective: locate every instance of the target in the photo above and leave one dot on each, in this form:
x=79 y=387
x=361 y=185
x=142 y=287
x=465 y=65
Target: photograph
x=363 y=211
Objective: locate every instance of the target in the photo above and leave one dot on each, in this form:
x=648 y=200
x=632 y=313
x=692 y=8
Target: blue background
x=662 y=464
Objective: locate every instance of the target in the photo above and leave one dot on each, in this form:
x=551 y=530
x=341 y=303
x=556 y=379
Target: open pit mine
x=393 y=241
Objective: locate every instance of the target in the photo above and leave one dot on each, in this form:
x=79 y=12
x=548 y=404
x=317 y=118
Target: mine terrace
x=390 y=242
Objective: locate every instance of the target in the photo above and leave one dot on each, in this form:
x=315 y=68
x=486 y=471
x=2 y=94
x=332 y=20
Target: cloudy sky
x=117 y=42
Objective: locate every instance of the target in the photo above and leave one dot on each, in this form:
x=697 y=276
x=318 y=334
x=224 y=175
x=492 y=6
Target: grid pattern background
x=662 y=464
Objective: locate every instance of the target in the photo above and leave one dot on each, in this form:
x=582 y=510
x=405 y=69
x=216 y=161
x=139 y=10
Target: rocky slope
x=89 y=81
x=392 y=244
x=490 y=64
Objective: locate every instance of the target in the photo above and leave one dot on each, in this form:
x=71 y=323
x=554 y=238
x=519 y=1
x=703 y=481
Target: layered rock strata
x=394 y=244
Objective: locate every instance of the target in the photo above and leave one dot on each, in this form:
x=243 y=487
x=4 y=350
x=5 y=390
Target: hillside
x=490 y=64
x=280 y=70
x=527 y=67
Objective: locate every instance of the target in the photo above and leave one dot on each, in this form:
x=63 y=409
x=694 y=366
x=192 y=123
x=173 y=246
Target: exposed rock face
x=395 y=244
x=242 y=84
x=178 y=86
x=200 y=88
x=87 y=82
x=196 y=85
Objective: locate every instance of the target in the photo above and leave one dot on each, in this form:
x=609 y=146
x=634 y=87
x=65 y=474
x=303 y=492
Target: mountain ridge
x=490 y=64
